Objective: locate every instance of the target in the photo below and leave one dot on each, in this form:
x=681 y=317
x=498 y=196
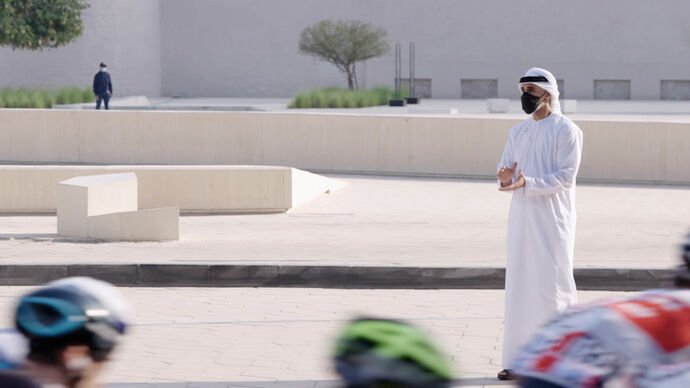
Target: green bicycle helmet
x=387 y=353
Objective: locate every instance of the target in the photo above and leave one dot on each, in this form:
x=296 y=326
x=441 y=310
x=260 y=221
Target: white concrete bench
x=82 y=197
x=497 y=105
x=104 y=207
x=161 y=224
x=194 y=189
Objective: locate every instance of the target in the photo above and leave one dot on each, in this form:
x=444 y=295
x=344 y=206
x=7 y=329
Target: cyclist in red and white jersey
x=636 y=342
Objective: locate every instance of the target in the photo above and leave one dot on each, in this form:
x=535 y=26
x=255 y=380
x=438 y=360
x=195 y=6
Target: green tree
x=38 y=24
x=344 y=43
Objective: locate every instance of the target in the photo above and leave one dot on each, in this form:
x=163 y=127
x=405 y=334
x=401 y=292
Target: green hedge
x=344 y=98
x=43 y=98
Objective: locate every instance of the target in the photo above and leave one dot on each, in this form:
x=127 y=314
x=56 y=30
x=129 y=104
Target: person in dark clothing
x=102 y=87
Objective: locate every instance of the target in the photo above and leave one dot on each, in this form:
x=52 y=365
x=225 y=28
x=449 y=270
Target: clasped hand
x=505 y=176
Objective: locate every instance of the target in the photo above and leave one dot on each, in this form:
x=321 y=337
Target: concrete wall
x=253 y=44
x=626 y=149
x=125 y=34
x=249 y=48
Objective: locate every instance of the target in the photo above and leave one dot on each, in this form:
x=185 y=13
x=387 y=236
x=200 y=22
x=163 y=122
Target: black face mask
x=529 y=102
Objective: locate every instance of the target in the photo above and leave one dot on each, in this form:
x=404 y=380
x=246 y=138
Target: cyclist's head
x=386 y=353
x=683 y=276
x=72 y=312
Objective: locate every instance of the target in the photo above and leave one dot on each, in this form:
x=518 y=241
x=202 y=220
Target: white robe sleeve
x=568 y=154
x=507 y=159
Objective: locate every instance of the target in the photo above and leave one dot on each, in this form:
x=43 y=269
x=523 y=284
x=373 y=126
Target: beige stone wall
x=635 y=149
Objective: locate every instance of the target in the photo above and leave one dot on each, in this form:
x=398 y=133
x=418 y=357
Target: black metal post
x=397 y=101
x=412 y=99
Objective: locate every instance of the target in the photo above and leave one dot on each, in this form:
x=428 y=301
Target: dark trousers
x=105 y=98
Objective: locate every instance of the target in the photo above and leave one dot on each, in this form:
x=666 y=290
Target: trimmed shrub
x=87 y=94
x=349 y=100
x=75 y=95
x=342 y=98
x=303 y=100
x=317 y=99
x=334 y=100
x=382 y=95
x=35 y=99
x=71 y=95
x=62 y=96
x=42 y=98
x=22 y=99
x=48 y=98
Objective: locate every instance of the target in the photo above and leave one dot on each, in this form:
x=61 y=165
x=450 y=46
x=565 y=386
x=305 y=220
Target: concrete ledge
x=497 y=105
x=114 y=103
x=203 y=275
x=638 y=149
x=193 y=189
x=569 y=106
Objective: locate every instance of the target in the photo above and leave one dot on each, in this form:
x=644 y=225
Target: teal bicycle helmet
x=72 y=311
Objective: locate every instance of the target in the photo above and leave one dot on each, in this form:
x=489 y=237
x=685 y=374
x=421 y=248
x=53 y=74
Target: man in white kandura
x=539 y=165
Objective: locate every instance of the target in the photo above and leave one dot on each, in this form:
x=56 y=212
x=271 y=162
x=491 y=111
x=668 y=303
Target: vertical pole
x=398 y=65
x=412 y=94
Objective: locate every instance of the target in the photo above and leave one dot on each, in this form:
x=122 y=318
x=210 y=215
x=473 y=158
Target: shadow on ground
x=45 y=237
x=473 y=382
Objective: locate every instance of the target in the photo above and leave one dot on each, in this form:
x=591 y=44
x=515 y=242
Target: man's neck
x=542 y=112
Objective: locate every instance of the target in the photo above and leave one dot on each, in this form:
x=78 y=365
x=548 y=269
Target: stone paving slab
x=282 y=337
x=384 y=221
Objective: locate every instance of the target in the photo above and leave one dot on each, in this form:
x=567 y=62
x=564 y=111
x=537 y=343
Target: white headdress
x=545 y=80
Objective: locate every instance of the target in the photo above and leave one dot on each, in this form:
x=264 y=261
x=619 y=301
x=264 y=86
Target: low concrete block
x=497 y=105
x=82 y=197
x=161 y=224
x=569 y=106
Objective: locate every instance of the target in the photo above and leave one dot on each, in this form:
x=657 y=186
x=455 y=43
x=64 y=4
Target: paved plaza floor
x=385 y=221
x=282 y=337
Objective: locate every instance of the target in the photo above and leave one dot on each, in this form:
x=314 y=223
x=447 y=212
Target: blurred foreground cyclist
x=637 y=342
x=379 y=353
x=66 y=331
